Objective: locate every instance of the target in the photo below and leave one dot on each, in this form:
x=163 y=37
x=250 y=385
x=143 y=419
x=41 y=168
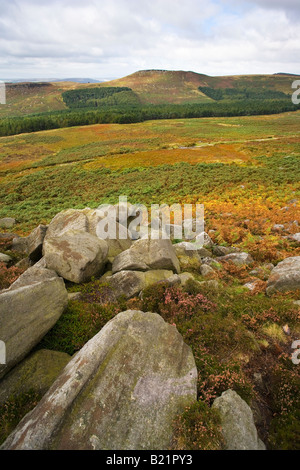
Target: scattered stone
x=122 y=391
x=295 y=237
x=219 y=250
x=74 y=296
x=35 y=373
x=212 y=284
x=5 y=258
x=185 y=277
x=76 y=256
x=206 y=270
x=213 y=263
x=239 y=259
x=278 y=228
x=285 y=276
x=251 y=285
x=205 y=240
x=7 y=222
x=237 y=422
x=188 y=248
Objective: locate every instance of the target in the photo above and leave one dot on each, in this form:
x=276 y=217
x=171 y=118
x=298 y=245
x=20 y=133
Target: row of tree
x=243 y=93
x=130 y=114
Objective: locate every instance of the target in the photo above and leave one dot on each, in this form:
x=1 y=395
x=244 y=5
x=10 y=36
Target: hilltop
x=162 y=86
x=149 y=86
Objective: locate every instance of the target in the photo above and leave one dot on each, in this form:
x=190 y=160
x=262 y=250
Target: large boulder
x=121 y=391
x=237 y=423
x=285 y=276
x=33 y=275
x=131 y=283
x=31 y=245
x=71 y=219
x=75 y=255
x=37 y=372
x=147 y=254
x=28 y=310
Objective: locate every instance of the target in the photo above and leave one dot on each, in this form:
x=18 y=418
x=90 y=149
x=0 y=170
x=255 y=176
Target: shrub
x=8 y=275
x=198 y=428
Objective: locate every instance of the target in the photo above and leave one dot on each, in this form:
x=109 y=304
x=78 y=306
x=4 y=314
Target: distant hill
x=40 y=80
x=149 y=87
x=162 y=86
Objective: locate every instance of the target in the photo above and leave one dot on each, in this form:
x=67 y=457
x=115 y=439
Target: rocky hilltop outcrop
x=123 y=389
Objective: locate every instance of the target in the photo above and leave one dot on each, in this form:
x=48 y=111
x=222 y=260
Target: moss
x=77 y=325
x=14 y=409
x=285 y=432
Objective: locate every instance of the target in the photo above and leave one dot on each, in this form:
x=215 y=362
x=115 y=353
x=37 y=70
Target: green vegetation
x=99 y=97
x=13 y=410
x=243 y=94
x=246 y=172
x=128 y=114
x=198 y=428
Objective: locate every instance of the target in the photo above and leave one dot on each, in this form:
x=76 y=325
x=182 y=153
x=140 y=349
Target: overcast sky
x=105 y=39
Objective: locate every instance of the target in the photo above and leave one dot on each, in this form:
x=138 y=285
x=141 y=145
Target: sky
x=105 y=39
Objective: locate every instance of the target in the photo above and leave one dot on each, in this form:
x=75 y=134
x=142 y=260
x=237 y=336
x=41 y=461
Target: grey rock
x=122 y=391
x=71 y=219
x=206 y=270
x=212 y=284
x=74 y=296
x=295 y=237
x=237 y=422
x=147 y=254
x=219 y=250
x=7 y=222
x=20 y=245
x=76 y=256
x=35 y=242
x=131 y=283
x=278 y=228
x=33 y=275
x=31 y=245
x=185 y=277
x=27 y=313
x=285 y=276
x=5 y=258
x=238 y=259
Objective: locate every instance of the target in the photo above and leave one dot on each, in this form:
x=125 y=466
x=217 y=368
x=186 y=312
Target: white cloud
x=111 y=38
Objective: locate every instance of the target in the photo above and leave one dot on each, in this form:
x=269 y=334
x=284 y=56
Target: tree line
x=126 y=114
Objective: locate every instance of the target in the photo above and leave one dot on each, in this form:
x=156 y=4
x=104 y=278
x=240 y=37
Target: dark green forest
x=99 y=97
x=243 y=93
x=126 y=113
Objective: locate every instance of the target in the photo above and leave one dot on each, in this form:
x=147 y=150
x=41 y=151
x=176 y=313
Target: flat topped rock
x=121 y=391
x=147 y=254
